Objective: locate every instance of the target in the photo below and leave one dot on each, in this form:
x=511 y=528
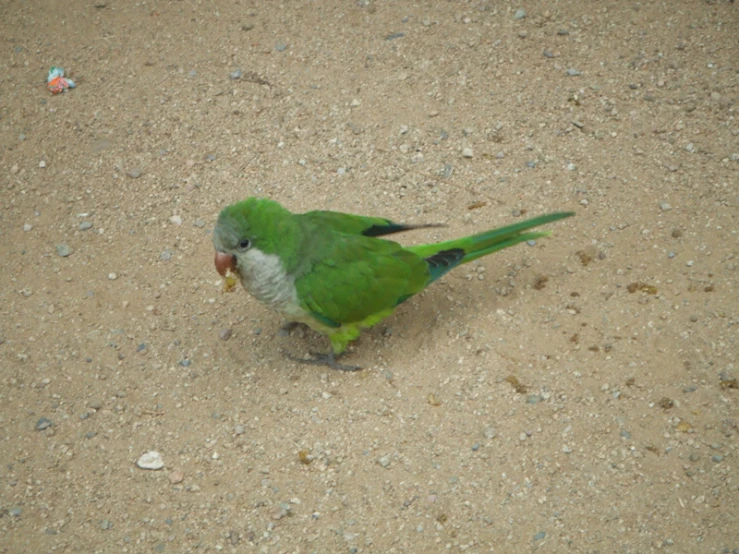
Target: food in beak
x=226 y=267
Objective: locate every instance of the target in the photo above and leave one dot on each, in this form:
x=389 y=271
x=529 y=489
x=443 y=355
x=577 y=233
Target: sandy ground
x=578 y=395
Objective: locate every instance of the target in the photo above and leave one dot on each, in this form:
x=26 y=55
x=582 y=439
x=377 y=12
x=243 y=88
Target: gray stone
x=43 y=423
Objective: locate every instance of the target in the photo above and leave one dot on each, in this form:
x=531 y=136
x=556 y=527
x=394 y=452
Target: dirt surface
x=578 y=395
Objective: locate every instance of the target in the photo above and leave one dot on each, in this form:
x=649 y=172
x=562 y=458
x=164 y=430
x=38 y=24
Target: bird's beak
x=224 y=262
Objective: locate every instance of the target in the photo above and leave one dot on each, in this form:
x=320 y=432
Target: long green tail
x=444 y=256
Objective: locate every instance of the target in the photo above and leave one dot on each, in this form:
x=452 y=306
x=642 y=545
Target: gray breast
x=264 y=276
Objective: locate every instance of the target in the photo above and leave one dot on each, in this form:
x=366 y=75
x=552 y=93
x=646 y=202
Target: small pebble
x=548 y=53
x=15 y=512
x=43 y=423
x=533 y=399
x=236 y=74
x=717 y=458
x=63 y=250
x=384 y=461
x=467 y=153
x=165 y=256
x=571 y=167
x=176 y=477
x=540 y=535
x=27 y=227
x=671 y=254
x=531 y=242
x=689 y=263
x=489 y=433
x=225 y=334
x=665 y=207
x=281 y=46
x=239 y=429
x=185 y=363
x=520 y=14
x=106 y=524
x=625 y=434
x=112 y=276
x=150 y=460
x=134 y=173
x=42 y=164
x=199 y=223
x=176 y=220
x=572 y=72
x=85 y=225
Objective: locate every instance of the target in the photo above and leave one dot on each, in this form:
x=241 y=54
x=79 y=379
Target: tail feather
x=482 y=244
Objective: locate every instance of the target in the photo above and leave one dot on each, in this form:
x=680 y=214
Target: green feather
x=482 y=244
x=359 y=225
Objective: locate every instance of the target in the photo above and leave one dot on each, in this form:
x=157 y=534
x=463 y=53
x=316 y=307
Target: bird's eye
x=244 y=243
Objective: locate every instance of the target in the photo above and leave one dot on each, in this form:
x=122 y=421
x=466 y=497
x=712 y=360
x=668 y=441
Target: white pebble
x=42 y=164
x=112 y=276
x=150 y=460
x=27 y=227
x=177 y=220
x=571 y=167
x=467 y=152
x=584 y=202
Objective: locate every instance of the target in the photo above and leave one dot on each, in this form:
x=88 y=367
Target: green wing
x=357 y=224
x=355 y=277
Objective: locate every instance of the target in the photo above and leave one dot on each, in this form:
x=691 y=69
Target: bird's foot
x=325 y=359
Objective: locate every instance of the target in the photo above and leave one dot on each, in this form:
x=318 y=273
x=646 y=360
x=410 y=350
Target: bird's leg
x=325 y=359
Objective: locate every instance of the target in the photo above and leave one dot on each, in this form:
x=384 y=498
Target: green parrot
x=333 y=272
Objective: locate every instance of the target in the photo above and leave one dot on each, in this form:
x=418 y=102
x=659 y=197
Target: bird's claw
x=325 y=359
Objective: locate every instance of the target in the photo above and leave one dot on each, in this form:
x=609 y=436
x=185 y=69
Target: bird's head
x=255 y=223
